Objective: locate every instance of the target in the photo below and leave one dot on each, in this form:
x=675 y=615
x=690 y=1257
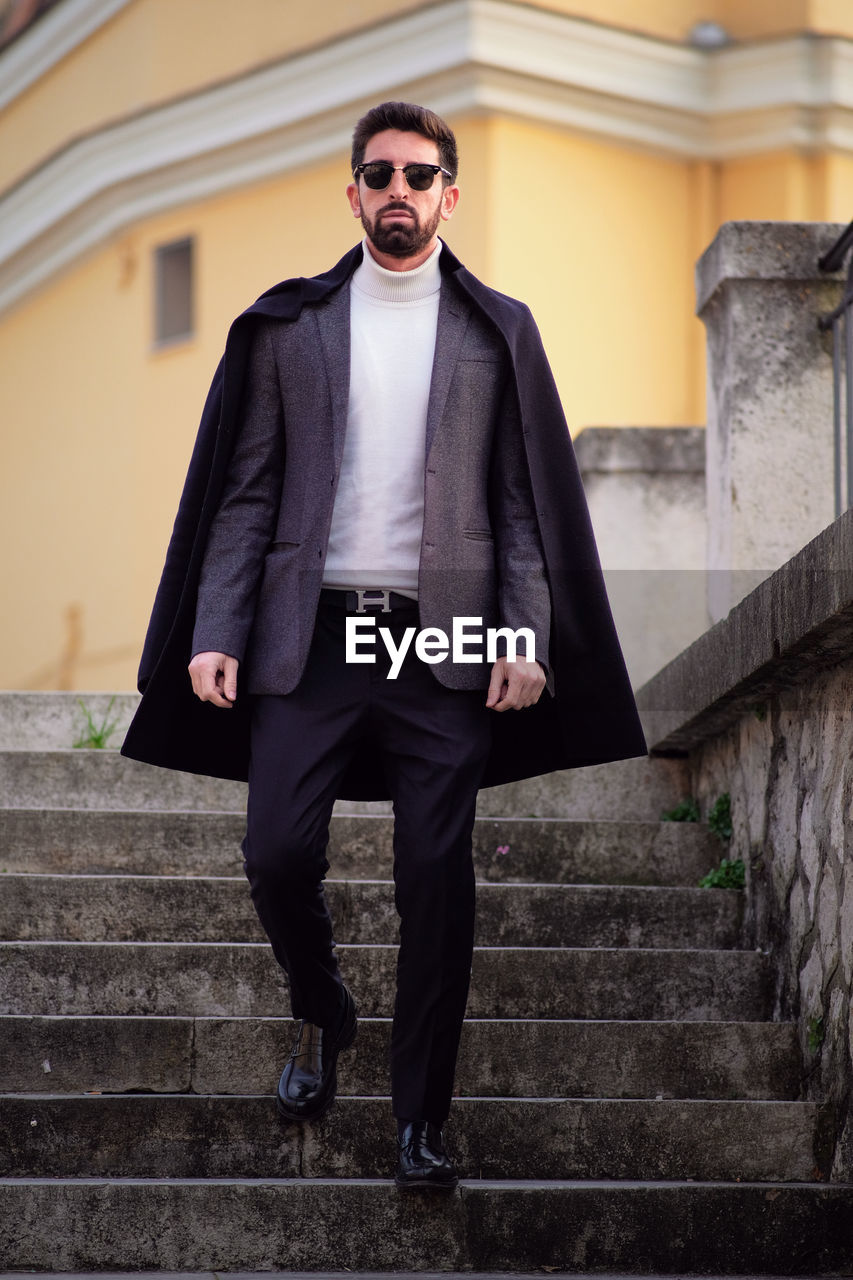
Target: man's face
x=400 y=223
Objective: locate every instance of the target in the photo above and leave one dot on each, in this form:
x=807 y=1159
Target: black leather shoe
x=308 y=1083
x=424 y=1163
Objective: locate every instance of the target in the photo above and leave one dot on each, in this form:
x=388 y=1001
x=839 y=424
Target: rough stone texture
x=242 y=979
x=763 y=251
x=186 y=1136
x=574 y=1059
x=769 y=447
x=106 y=908
x=44 y=721
x=40 y=770
x=644 y=450
x=609 y=1062
x=789 y=773
x=94 y=841
x=364 y=1275
x=646 y=492
x=763 y=704
x=90 y=779
x=77 y=1055
x=630 y=790
x=648 y=853
x=506 y=850
x=634 y=790
x=225 y=1224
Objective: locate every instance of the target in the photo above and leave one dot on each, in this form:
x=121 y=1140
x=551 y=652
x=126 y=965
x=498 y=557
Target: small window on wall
x=173 y=289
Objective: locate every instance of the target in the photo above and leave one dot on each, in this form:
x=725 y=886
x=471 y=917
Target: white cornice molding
x=603 y=60
x=461 y=56
x=48 y=41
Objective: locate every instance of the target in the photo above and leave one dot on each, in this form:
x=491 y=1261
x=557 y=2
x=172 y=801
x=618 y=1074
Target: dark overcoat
x=592 y=717
x=479 y=554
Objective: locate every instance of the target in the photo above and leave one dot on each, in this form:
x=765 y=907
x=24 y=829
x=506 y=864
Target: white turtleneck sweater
x=377 y=520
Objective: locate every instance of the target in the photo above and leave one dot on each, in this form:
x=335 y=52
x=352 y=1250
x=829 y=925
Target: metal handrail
x=840 y=322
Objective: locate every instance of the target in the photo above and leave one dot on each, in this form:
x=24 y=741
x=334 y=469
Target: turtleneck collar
x=398 y=286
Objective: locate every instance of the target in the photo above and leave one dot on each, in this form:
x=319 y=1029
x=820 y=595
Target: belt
x=366 y=600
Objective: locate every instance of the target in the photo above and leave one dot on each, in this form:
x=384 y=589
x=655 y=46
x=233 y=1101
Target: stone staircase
x=625 y=1101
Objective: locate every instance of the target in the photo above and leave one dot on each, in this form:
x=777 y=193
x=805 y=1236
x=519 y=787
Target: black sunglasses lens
x=377 y=176
x=420 y=177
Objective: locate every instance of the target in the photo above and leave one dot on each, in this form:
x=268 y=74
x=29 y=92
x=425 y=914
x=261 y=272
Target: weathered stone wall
x=788 y=766
x=761 y=707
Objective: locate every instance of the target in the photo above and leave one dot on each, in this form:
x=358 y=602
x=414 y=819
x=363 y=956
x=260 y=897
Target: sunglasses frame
x=359 y=169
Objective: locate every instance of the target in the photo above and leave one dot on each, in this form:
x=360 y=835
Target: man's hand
x=515 y=685
x=214 y=677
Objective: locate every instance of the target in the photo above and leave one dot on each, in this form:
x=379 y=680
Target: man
x=382 y=458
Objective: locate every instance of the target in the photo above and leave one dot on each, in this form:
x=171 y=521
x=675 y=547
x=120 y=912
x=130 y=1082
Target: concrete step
x=505 y=849
x=185 y=1136
x=88 y=779
x=370 y=1275
x=45 y=721
x=631 y=790
x=109 y=908
x=242 y=1224
x=573 y=1059
x=242 y=979
x=153 y=1062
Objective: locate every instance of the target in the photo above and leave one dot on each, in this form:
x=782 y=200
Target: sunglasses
x=377 y=174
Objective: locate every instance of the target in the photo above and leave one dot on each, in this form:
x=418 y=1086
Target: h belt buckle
x=372 y=599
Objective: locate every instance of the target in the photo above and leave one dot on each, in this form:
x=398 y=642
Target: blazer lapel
x=453 y=317
x=333 y=323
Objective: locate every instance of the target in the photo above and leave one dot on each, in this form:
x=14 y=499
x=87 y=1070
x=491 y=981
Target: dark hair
x=408 y=118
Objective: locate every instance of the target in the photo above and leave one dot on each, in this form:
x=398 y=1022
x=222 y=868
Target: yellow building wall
x=838 y=184
x=597 y=240
x=783 y=185
x=831 y=17
x=67 y=480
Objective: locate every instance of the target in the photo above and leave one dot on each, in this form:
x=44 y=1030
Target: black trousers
x=434 y=742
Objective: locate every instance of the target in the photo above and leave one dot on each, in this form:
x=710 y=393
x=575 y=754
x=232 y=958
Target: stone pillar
x=646 y=492
x=769 y=442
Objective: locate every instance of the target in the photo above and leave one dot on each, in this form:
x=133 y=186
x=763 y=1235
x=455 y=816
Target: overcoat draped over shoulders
x=592 y=718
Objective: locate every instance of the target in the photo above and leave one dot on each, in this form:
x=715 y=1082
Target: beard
x=401 y=239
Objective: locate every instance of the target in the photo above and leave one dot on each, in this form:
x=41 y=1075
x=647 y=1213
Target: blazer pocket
x=478 y=535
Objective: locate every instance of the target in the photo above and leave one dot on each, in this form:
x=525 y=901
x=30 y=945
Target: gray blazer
x=480 y=555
